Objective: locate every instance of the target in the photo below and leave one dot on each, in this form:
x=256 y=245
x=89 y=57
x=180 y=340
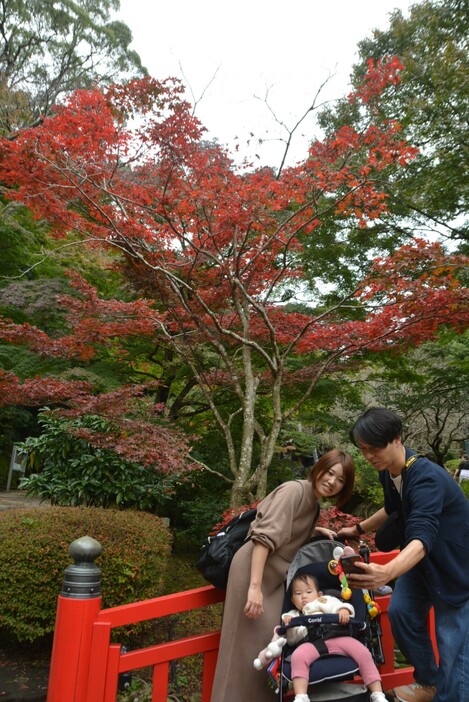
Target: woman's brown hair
x=329 y=459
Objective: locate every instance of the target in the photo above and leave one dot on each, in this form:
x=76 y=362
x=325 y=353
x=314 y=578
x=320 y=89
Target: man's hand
x=373 y=576
x=347 y=533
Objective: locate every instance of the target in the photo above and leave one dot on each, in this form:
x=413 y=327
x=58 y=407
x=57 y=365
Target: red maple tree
x=213 y=247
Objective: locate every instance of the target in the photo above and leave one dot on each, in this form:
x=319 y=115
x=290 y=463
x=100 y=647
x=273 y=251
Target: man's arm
x=368 y=525
x=375 y=575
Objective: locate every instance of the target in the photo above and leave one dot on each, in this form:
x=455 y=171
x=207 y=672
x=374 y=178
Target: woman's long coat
x=285 y=521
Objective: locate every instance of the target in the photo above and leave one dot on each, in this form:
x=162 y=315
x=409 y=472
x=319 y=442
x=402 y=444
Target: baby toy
x=271 y=651
x=335 y=567
x=372 y=607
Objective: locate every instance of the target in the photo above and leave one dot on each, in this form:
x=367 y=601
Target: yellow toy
x=372 y=607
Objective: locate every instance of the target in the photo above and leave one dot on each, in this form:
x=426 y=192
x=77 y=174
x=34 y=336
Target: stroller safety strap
x=320 y=646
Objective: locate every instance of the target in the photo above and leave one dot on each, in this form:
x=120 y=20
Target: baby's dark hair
x=303 y=578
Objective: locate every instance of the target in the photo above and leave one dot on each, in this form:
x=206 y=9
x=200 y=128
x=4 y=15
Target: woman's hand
x=327 y=533
x=255 y=603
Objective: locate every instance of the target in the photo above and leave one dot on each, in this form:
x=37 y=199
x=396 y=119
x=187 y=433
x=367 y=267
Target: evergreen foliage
x=431 y=104
x=68 y=470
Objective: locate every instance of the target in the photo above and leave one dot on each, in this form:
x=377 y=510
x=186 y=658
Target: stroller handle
x=310 y=620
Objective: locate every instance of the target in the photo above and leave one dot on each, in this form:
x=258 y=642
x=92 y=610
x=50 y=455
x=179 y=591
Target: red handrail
x=85 y=665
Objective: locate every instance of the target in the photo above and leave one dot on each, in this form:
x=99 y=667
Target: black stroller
x=330 y=675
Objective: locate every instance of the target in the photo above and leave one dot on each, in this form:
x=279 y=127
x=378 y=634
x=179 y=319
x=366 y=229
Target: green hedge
x=34 y=555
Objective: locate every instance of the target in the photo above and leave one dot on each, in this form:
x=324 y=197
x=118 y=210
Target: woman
x=285 y=521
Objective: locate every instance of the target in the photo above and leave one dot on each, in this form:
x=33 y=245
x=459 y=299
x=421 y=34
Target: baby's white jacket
x=326 y=604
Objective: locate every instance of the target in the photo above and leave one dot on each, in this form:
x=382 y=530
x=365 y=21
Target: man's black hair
x=376 y=427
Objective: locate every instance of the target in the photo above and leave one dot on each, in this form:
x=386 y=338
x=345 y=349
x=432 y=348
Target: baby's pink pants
x=306 y=653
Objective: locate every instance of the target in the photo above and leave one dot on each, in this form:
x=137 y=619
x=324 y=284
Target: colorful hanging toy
x=335 y=567
x=373 y=608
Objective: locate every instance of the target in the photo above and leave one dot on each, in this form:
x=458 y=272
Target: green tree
x=49 y=48
x=428 y=386
x=431 y=104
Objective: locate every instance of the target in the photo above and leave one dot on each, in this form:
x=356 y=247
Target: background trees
x=218 y=252
x=431 y=104
x=428 y=198
x=429 y=385
x=49 y=48
x=227 y=302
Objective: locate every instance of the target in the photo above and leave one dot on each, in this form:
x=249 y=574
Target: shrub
x=464 y=484
x=68 y=470
x=452 y=465
x=192 y=519
x=134 y=560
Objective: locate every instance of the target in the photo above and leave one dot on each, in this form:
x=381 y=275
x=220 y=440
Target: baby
x=307 y=599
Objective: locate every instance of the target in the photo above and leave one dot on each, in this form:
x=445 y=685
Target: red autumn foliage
x=329 y=517
x=35 y=392
x=212 y=247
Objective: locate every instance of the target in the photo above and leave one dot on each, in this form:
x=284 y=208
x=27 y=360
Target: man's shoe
x=415 y=693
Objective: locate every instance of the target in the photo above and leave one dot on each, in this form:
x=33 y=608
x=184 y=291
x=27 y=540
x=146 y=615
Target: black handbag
x=216 y=555
x=391 y=534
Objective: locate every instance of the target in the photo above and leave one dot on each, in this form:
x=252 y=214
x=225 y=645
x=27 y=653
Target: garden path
x=17 y=499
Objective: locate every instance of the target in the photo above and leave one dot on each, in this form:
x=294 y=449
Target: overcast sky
x=253 y=64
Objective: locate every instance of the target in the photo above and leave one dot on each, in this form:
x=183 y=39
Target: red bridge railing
x=85 y=665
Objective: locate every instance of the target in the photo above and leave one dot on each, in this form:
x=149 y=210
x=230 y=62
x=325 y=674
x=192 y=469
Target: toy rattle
x=335 y=567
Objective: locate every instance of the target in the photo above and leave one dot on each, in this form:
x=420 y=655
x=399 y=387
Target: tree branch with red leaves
x=212 y=248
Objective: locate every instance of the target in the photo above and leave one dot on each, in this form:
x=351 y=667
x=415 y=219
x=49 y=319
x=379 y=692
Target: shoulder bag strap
x=411 y=460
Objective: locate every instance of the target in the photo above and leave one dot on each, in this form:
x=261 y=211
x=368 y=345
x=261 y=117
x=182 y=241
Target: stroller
x=330 y=674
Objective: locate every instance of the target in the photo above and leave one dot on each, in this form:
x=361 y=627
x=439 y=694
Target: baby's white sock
x=378 y=697
x=301 y=698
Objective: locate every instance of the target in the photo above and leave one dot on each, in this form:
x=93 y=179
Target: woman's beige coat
x=285 y=521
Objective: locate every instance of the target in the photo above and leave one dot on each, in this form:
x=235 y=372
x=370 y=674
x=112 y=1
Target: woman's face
x=330 y=483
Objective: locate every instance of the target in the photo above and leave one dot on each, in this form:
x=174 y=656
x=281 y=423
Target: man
x=432 y=568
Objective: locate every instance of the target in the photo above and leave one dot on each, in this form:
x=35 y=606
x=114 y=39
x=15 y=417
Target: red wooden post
x=78 y=606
